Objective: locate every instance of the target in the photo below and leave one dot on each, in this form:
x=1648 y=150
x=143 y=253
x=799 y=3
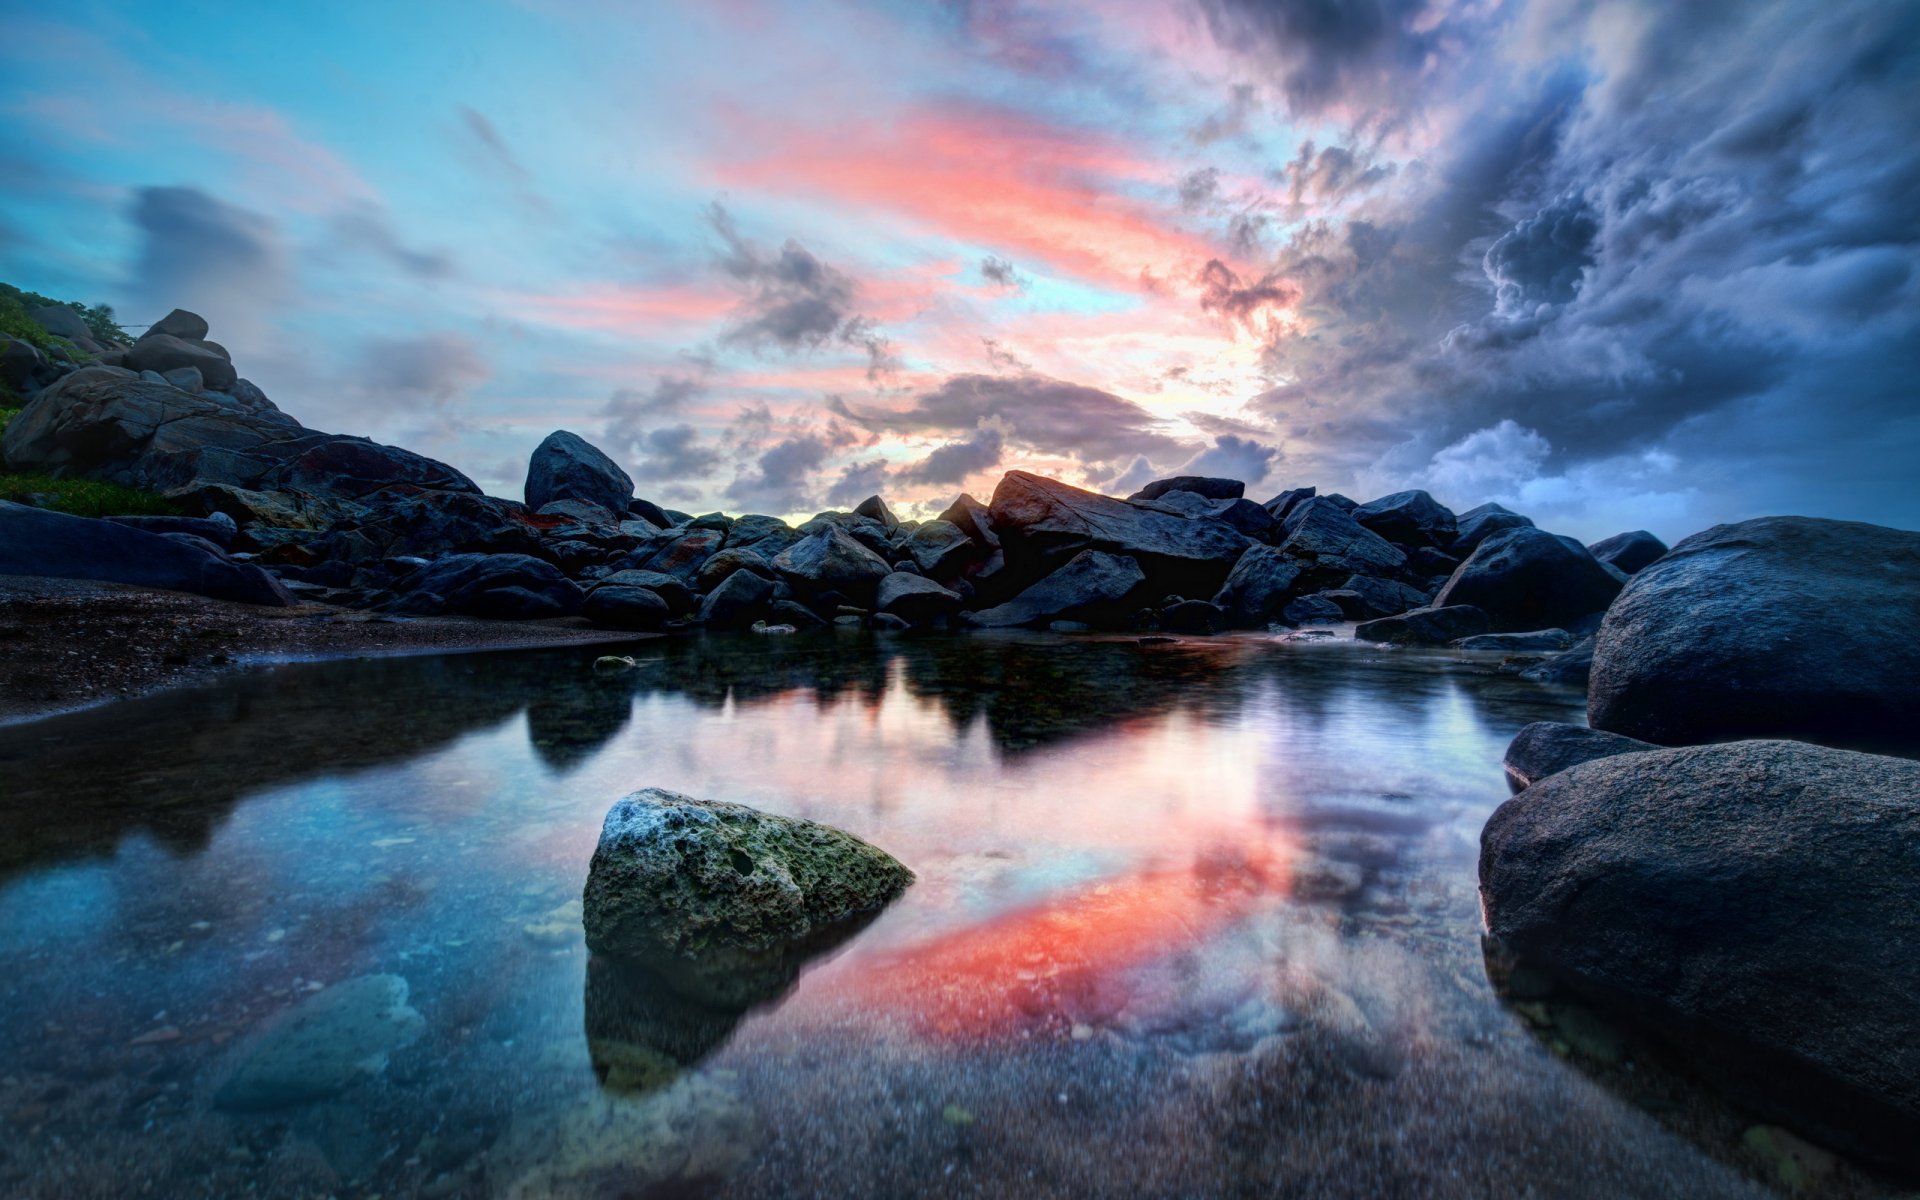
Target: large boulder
x=1259 y=587
x=678 y=878
x=1425 y=626
x=875 y=509
x=831 y=559
x=1054 y=521
x=567 y=467
x=1411 y=518
x=1777 y=627
x=1093 y=586
x=163 y=353
x=35 y=541
x=739 y=601
x=940 y=548
x=1628 y=552
x=1246 y=516
x=1476 y=525
x=1324 y=534
x=508 y=587
x=1200 y=485
x=1757 y=902
x=1527 y=578
x=1549 y=747
x=60 y=321
x=915 y=598
x=625 y=606
x=179 y=324
x=680 y=552
x=1287 y=501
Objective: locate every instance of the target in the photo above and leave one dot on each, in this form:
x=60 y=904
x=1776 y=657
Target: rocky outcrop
x=678 y=878
x=1756 y=902
x=1777 y=627
x=1052 y=522
x=37 y=542
x=565 y=466
x=915 y=598
x=1332 y=545
x=1200 y=485
x=1528 y=578
x=511 y=587
x=162 y=353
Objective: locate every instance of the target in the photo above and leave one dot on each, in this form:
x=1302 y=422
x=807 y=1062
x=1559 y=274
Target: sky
x=1614 y=265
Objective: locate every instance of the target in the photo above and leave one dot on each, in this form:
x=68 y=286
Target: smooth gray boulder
x=1777 y=627
x=1093 y=586
x=940 y=548
x=875 y=509
x=628 y=606
x=1286 y=501
x=180 y=324
x=1528 y=578
x=327 y=1042
x=1537 y=641
x=1381 y=597
x=678 y=878
x=164 y=353
x=1756 y=902
x=716 y=569
x=1054 y=521
x=1478 y=524
x=1317 y=609
x=565 y=466
x=35 y=541
x=1201 y=485
x=1548 y=747
x=679 y=552
x=60 y=321
x=1569 y=669
x=1257 y=590
x=1628 y=552
x=1436 y=626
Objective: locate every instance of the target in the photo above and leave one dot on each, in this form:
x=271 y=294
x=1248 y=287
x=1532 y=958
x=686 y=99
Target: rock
x=652 y=513
x=329 y=1041
x=1053 y=521
x=1200 y=485
x=19 y=363
x=164 y=353
x=681 y=553
x=1528 y=578
x=725 y=563
x=875 y=509
x=1425 y=561
x=1476 y=525
x=60 y=321
x=180 y=324
x=1571 y=669
x=796 y=614
x=1550 y=641
x=674 y=877
x=1778 y=627
x=915 y=598
x=579 y=513
x=1411 y=518
x=36 y=541
x=974 y=519
x=1180 y=504
x=679 y=597
x=567 y=467
x=624 y=606
x=187 y=379
x=1312 y=610
x=766 y=536
x=940 y=548
x=1628 y=552
x=1757 y=902
x=1246 y=516
x=1374 y=597
x=738 y=602
x=714 y=520
x=218 y=528
x=508 y=587
x=680 y=1141
x=1258 y=588
x=1093 y=586
x=1191 y=616
x=1425 y=626
x=888 y=623
x=1284 y=503
x=1334 y=545
x=831 y=559
x=1548 y=747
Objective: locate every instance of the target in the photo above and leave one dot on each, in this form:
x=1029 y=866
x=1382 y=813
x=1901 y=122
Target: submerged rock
x=1425 y=626
x=322 y=1045
x=678 y=878
x=1777 y=627
x=1757 y=902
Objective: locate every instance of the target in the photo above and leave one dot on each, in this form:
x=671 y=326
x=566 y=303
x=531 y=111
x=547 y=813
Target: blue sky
x=1612 y=264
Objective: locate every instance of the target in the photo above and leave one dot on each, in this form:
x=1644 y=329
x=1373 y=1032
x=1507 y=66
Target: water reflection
x=1195 y=918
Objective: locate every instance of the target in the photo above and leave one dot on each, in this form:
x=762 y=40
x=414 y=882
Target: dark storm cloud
x=204 y=254
x=1540 y=260
x=953 y=462
x=1045 y=414
x=1241 y=301
x=436 y=366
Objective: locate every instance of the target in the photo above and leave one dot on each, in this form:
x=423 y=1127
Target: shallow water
x=1191 y=919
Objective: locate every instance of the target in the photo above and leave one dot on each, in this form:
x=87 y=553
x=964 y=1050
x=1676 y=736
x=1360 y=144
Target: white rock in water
x=322 y=1045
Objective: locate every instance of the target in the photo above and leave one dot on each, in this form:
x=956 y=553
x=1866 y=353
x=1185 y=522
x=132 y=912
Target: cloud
x=793 y=300
x=436 y=366
x=1001 y=274
x=203 y=254
x=674 y=454
x=1233 y=457
x=1230 y=121
x=1248 y=304
x=368 y=229
x=954 y=462
x=496 y=157
x=857 y=482
x=1540 y=260
x=1199 y=188
x=1049 y=415
x=630 y=411
x=780 y=479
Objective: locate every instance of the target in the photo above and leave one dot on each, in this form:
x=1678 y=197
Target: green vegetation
x=14 y=304
x=86 y=497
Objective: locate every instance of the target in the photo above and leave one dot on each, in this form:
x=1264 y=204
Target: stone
x=792 y=612
x=509 y=587
x=888 y=623
x=1571 y=669
x=679 y=552
x=1317 y=609
x=1200 y=485
x=767 y=536
x=1777 y=627
x=624 y=606
x=1757 y=902
x=831 y=559
x=940 y=548
x=677 y=878
x=974 y=519
x=321 y=1046
x=1425 y=626
x=35 y=541
x=875 y=509
x=566 y=466
x=1054 y=521
x=1262 y=582
x=716 y=569
x=579 y=512
x=180 y=324
x=1527 y=578
x=60 y=321
x=1538 y=641
x=1476 y=525
x=1411 y=518
x=652 y=513
x=20 y=362
x=1191 y=616
x=1284 y=503
x=1375 y=597
x=187 y=379
x=1548 y=747
x=219 y=528
x=1333 y=545
x=1628 y=552
x=1246 y=516
x=164 y=353
x=738 y=602
x=915 y=598
x=1093 y=586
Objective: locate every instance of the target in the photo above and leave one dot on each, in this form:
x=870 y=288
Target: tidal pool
x=1192 y=919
